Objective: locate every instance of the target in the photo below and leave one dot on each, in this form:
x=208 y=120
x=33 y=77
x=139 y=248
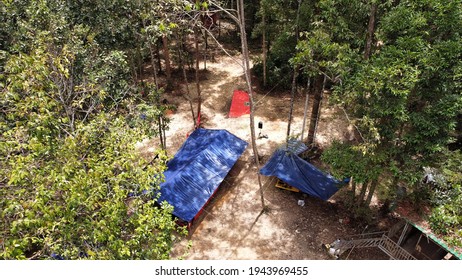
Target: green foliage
x=74 y=190
x=318 y=54
x=281 y=27
x=278 y=65
x=76 y=194
x=347 y=161
x=83 y=199
x=345 y=20
x=73 y=185
x=111 y=23
x=406 y=97
x=145 y=115
x=446 y=198
x=330 y=28
x=405 y=101
x=447 y=220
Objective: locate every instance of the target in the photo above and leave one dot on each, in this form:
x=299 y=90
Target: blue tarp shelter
x=298 y=173
x=197 y=170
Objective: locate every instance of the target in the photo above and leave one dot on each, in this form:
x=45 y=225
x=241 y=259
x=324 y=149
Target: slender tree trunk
x=153 y=63
x=165 y=137
x=363 y=192
x=160 y=122
x=353 y=188
x=264 y=45
x=154 y=69
x=161 y=134
x=318 y=88
x=168 y=70
x=138 y=59
x=135 y=71
x=140 y=63
x=159 y=62
x=294 y=77
x=133 y=67
x=245 y=54
x=188 y=94
x=206 y=49
x=198 y=88
x=292 y=99
x=305 y=112
x=372 y=188
x=185 y=77
x=370 y=31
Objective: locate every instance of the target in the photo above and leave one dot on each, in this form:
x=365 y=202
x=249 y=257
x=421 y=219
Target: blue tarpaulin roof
x=298 y=173
x=197 y=170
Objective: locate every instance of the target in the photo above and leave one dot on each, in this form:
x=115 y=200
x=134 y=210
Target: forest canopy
x=76 y=97
x=394 y=68
x=72 y=183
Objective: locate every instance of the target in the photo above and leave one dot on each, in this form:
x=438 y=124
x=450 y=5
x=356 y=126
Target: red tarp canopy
x=240 y=104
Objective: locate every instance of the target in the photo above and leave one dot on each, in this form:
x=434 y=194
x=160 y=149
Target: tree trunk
x=370 y=31
x=160 y=121
x=165 y=136
x=353 y=188
x=154 y=70
x=168 y=70
x=318 y=88
x=294 y=77
x=292 y=99
x=363 y=192
x=185 y=77
x=305 y=112
x=245 y=54
x=140 y=62
x=133 y=66
x=264 y=46
x=206 y=49
x=198 y=88
x=159 y=62
x=153 y=62
x=188 y=96
x=372 y=188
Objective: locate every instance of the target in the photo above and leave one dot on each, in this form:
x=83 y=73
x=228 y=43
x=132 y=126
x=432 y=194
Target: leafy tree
x=72 y=184
x=405 y=97
x=446 y=197
x=322 y=60
x=398 y=77
x=280 y=27
x=74 y=193
x=347 y=160
x=84 y=199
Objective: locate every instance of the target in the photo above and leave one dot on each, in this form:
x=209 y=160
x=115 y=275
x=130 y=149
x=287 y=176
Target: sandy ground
x=233 y=227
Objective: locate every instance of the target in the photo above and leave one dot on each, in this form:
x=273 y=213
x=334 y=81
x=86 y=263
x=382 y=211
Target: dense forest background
x=75 y=99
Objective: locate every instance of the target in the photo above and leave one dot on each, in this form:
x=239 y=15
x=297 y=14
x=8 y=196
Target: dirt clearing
x=233 y=226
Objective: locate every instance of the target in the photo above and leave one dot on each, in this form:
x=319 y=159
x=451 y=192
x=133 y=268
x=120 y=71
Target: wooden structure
x=404 y=241
x=284 y=186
